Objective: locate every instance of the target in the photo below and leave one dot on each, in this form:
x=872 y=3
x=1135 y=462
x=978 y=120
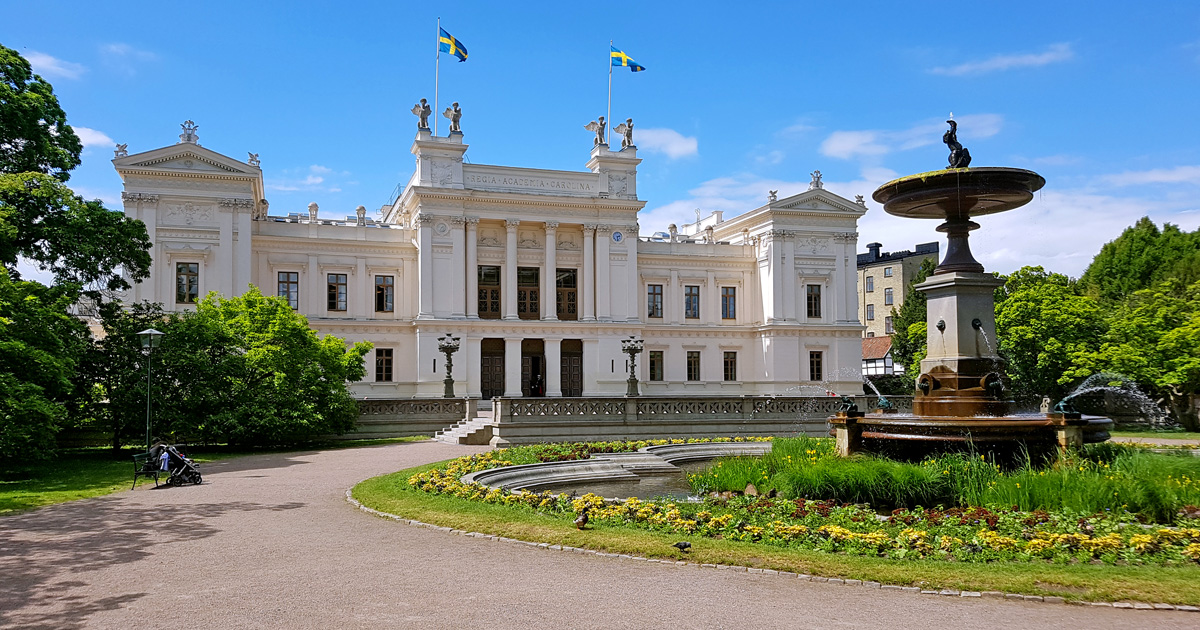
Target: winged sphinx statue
x=423 y=111
x=626 y=131
x=598 y=127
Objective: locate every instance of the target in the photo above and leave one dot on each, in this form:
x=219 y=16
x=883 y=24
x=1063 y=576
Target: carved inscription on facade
x=537 y=183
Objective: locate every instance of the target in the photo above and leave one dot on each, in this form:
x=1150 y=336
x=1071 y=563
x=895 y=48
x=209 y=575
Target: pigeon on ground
x=682 y=545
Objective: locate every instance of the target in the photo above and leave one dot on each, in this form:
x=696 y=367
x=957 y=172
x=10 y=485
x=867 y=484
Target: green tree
x=244 y=370
x=1140 y=257
x=908 y=342
x=34 y=134
x=1154 y=338
x=1044 y=326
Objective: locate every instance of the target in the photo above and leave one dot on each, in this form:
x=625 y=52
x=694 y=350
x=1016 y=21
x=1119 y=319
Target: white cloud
x=111 y=198
x=1177 y=175
x=317 y=168
x=53 y=67
x=93 y=138
x=125 y=58
x=674 y=144
x=770 y=157
x=1054 y=54
x=309 y=178
x=872 y=143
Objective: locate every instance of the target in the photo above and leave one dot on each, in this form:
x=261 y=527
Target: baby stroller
x=180 y=468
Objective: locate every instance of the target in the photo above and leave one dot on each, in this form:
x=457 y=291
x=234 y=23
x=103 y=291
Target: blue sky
x=738 y=99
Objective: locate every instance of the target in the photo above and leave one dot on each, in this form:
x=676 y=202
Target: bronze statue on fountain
x=961 y=400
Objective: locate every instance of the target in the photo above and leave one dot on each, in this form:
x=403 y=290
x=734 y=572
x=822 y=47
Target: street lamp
x=150 y=340
x=448 y=345
x=632 y=347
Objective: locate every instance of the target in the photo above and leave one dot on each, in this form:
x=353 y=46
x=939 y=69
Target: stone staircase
x=476 y=431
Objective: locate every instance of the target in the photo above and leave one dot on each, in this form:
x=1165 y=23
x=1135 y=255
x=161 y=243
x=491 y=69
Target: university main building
x=541 y=273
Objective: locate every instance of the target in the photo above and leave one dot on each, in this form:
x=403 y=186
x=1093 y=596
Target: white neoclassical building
x=541 y=273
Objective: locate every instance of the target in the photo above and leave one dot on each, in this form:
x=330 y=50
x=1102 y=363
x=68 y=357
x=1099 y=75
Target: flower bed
x=974 y=534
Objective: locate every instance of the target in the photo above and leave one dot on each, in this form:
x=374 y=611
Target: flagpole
x=437 y=70
x=609 y=119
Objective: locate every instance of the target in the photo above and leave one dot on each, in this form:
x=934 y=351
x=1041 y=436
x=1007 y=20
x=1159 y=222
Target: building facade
x=540 y=273
x=883 y=279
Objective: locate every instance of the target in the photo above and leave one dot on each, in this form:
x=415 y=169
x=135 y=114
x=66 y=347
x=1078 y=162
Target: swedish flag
x=621 y=59
x=447 y=44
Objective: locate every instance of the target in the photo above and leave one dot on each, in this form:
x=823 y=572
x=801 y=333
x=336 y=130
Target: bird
x=682 y=545
x=582 y=520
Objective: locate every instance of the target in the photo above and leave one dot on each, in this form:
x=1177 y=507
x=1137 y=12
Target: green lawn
x=92 y=472
x=1168 y=435
x=1172 y=584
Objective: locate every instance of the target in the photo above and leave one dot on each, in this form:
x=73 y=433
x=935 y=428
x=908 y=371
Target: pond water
x=669 y=486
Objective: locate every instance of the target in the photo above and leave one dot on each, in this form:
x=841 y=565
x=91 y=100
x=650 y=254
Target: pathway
x=270 y=542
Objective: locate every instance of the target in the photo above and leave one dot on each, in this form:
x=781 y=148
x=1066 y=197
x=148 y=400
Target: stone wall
x=533 y=420
x=406 y=417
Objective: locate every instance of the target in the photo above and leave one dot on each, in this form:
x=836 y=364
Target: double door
x=491 y=376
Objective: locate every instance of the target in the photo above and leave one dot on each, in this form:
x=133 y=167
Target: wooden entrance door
x=491 y=375
x=572 y=375
x=533 y=382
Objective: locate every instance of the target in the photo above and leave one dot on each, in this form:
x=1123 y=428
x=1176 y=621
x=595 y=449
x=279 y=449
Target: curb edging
x=1048 y=599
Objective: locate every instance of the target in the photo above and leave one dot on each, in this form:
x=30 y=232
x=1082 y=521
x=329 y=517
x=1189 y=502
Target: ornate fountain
x=961 y=394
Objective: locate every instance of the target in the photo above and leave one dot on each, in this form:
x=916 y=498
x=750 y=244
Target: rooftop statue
x=253 y=159
x=454 y=114
x=626 y=131
x=959 y=157
x=598 y=127
x=422 y=110
x=122 y=150
x=189 y=132
x=772 y=196
x=816 y=181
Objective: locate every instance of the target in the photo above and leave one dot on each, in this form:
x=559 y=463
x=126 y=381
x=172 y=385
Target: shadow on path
x=39 y=551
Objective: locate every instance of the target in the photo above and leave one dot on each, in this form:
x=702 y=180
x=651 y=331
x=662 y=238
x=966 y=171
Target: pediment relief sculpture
x=442 y=174
x=188 y=214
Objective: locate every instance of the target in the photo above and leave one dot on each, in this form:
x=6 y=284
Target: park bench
x=145 y=466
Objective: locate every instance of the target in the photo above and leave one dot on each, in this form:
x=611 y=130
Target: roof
x=876 y=347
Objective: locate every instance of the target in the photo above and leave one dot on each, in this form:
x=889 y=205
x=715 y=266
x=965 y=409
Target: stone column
x=472 y=271
x=672 y=306
x=603 y=271
x=226 y=258
x=843 y=280
x=425 y=266
x=775 y=248
x=510 y=270
x=364 y=300
x=312 y=290
x=472 y=357
x=550 y=287
x=850 y=280
x=710 y=302
x=245 y=258
x=589 y=274
x=789 y=277
x=553 y=352
x=458 y=270
x=512 y=367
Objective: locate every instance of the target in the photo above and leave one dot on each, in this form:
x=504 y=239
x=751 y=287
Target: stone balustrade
x=387 y=418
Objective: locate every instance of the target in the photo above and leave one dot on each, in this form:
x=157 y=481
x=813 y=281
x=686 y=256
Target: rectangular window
x=337 y=291
x=528 y=293
x=383 y=365
x=489 y=292
x=730 y=366
x=815 y=369
x=567 y=300
x=870 y=284
x=289 y=288
x=187 y=283
x=887 y=325
x=691 y=302
x=870 y=312
x=385 y=294
x=887 y=296
x=813 y=299
x=656 y=365
x=693 y=365
x=654 y=297
x=728 y=302
x=887 y=272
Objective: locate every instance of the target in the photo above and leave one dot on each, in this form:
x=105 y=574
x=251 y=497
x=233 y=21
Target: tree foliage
x=244 y=370
x=34 y=134
x=1044 y=326
x=1141 y=257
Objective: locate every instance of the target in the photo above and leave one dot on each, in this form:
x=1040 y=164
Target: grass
x=1171 y=584
x=1163 y=434
x=91 y=472
x=1107 y=477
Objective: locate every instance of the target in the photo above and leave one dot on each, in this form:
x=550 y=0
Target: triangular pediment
x=818 y=200
x=185 y=157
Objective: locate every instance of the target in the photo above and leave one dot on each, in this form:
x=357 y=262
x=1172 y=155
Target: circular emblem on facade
x=618 y=237
x=441 y=228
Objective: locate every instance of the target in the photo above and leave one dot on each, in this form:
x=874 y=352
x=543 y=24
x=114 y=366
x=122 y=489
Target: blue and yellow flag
x=447 y=44
x=621 y=59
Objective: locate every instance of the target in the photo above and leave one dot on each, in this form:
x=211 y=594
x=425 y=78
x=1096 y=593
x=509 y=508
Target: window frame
x=654 y=365
x=870 y=312
x=869 y=284
x=812 y=301
x=384 y=365
x=336 y=292
x=529 y=300
x=190 y=284
x=654 y=301
x=816 y=365
x=888 y=296
x=729 y=365
x=728 y=302
x=691 y=301
x=292 y=284
x=387 y=292
x=488 y=294
x=692 y=366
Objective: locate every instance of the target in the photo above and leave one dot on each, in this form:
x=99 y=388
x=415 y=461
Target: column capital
x=424 y=220
x=458 y=220
x=512 y=224
x=603 y=229
x=589 y=228
x=552 y=225
x=471 y=220
x=845 y=237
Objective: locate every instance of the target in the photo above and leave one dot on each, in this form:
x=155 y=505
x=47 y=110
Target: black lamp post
x=150 y=340
x=449 y=345
x=632 y=347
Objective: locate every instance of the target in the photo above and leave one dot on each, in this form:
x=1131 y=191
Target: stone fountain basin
x=975 y=428
x=646 y=462
x=958 y=192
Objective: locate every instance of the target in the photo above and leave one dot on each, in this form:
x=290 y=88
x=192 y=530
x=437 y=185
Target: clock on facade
x=618 y=237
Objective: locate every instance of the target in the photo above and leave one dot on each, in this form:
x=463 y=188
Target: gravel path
x=270 y=542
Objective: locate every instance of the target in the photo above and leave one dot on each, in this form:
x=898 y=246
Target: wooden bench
x=144 y=466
